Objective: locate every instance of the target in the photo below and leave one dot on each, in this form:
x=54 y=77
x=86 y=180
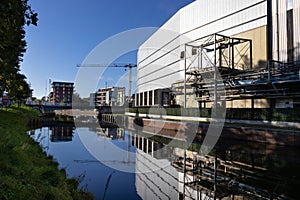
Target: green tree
x=18 y=88
x=14 y=15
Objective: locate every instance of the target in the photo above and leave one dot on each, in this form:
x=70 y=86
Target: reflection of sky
x=78 y=162
x=108 y=151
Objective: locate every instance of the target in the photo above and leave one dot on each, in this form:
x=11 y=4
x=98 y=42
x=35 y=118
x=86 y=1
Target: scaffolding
x=227 y=175
x=209 y=59
x=219 y=67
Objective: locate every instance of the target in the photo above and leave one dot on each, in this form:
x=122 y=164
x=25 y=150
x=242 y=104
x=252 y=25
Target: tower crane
x=129 y=66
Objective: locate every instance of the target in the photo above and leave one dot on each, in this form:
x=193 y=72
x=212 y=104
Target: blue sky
x=69 y=29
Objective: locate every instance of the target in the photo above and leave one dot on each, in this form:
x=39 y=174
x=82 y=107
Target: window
x=141 y=99
x=150 y=98
x=137 y=99
x=155 y=97
x=145 y=98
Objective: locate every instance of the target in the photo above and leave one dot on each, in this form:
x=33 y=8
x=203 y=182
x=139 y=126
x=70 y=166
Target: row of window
x=146 y=98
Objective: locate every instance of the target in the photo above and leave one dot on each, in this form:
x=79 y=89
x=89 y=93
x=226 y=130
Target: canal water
x=117 y=163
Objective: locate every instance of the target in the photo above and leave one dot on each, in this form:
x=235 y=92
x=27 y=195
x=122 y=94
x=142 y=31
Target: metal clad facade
x=158 y=55
x=227 y=17
x=282 y=30
x=279 y=24
x=296 y=10
x=159 y=69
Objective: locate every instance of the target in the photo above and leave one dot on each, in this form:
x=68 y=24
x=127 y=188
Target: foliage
x=14 y=15
x=26 y=172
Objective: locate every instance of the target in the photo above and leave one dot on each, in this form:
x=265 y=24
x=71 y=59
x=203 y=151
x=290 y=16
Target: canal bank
x=174 y=169
x=26 y=172
x=272 y=130
x=244 y=130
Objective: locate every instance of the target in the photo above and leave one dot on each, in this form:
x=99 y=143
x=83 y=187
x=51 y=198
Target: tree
x=18 y=88
x=14 y=15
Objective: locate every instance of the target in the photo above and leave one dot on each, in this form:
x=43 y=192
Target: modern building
x=251 y=47
x=61 y=92
x=112 y=96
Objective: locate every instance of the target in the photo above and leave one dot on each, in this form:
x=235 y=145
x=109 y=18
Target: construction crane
x=129 y=66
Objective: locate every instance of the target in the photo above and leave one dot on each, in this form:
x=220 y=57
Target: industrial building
x=244 y=54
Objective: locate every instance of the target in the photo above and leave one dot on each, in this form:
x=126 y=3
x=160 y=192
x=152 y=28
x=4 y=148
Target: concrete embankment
x=279 y=133
x=271 y=132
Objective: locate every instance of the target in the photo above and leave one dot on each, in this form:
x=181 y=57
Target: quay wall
x=183 y=129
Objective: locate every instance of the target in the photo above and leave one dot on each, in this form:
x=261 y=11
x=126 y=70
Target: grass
x=26 y=172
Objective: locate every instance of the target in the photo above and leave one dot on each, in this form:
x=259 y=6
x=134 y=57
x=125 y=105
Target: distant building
x=62 y=92
x=92 y=99
x=112 y=96
x=4 y=100
x=120 y=96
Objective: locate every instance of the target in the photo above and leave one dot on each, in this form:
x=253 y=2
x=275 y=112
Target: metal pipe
x=215 y=175
x=277 y=31
x=184 y=98
x=184 y=172
x=215 y=72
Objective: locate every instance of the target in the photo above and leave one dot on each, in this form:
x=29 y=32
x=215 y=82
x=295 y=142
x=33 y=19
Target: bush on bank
x=26 y=172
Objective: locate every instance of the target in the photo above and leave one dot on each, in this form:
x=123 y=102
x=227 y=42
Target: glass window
x=145 y=98
x=141 y=99
x=155 y=97
x=150 y=98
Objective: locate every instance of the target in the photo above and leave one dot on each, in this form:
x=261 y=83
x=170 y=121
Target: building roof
x=69 y=83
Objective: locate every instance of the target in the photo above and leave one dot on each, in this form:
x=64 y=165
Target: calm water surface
x=96 y=177
x=114 y=163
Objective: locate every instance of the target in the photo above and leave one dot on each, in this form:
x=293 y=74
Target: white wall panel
x=275 y=33
x=296 y=28
x=198 y=19
x=279 y=30
x=282 y=30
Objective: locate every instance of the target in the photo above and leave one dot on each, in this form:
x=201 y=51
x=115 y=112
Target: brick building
x=61 y=92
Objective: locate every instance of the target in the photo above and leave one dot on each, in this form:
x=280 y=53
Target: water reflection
x=110 y=132
x=95 y=176
x=170 y=170
x=231 y=171
x=61 y=134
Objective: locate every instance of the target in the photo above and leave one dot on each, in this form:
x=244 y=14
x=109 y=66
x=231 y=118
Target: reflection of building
x=155 y=177
x=113 y=96
x=61 y=133
x=92 y=99
x=169 y=172
x=254 y=45
x=112 y=133
x=62 y=92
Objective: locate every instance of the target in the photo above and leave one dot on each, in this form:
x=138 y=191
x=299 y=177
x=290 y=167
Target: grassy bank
x=25 y=170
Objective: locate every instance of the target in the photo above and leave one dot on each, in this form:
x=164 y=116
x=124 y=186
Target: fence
x=269 y=114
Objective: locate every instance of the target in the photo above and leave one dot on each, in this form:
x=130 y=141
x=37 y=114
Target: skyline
x=66 y=34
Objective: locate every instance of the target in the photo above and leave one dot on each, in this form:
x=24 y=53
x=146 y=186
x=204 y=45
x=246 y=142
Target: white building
x=268 y=29
x=112 y=96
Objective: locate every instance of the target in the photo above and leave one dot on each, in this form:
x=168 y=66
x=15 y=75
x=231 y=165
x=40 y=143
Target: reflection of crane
x=129 y=66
